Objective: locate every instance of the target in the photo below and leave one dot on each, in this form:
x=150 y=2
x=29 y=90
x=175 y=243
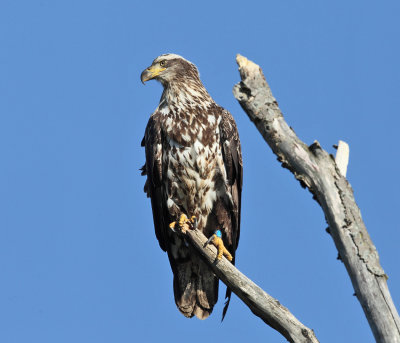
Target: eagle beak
x=150 y=73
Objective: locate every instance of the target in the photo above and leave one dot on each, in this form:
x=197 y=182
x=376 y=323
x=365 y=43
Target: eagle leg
x=218 y=242
x=184 y=223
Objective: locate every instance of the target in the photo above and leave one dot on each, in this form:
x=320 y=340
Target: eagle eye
x=162 y=63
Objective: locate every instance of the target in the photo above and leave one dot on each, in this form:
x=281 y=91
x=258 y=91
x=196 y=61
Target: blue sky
x=79 y=261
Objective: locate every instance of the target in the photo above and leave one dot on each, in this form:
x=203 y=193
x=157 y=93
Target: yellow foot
x=184 y=223
x=218 y=242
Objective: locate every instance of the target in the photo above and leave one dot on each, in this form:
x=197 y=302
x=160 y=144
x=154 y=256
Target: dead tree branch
x=317 y=170
x=259 y=302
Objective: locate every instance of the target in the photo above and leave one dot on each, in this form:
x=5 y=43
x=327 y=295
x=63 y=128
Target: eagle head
x=170 y=68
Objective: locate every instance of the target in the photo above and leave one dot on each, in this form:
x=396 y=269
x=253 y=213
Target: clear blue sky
x=79 y=261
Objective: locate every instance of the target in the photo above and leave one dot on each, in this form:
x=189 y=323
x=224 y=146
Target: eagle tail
x=195 y=289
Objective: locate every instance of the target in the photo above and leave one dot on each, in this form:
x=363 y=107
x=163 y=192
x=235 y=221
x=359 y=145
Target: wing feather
x=232 y=156
x=153 y=168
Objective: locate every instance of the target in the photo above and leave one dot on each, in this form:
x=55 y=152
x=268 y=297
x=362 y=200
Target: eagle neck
x=180 y=97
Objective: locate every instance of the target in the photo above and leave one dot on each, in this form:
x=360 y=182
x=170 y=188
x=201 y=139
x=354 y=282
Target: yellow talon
x=217 y=241
x=184 y=223
x=183 y=220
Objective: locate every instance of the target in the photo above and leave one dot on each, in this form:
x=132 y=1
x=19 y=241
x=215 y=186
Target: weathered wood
x=259 y=302
x=342 y=157
x=317 y=170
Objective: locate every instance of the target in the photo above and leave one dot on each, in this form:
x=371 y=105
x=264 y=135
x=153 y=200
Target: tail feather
x=195 y=289
x=185 y=297
x=228 y=295
x=227 y=301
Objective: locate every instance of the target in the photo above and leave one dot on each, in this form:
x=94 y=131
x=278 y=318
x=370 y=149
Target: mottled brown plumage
x=193 y=166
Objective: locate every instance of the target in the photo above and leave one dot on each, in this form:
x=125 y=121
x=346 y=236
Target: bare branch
x=342 y=157
x=259 y=302
x=317 y=170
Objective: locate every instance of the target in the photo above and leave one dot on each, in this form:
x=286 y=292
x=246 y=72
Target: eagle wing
x=232 y=156
x=152 y=141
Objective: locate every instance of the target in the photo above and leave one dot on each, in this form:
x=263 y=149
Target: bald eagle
x=193 y=167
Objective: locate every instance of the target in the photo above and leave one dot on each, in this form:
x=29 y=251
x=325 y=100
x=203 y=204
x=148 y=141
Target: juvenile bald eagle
x=193 y=167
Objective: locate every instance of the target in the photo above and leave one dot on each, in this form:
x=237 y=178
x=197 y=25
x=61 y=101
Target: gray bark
x=259 y=302
x=317 y=170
